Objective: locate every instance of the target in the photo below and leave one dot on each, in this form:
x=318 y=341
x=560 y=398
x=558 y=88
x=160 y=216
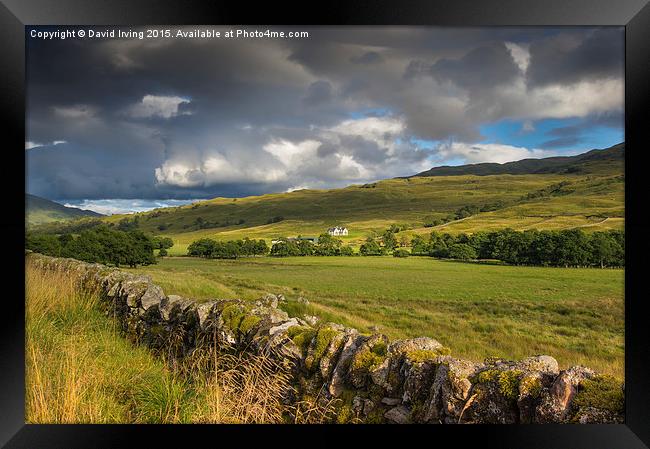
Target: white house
x=338 y=230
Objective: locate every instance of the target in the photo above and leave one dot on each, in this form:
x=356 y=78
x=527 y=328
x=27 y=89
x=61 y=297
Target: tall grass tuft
x=80 y=370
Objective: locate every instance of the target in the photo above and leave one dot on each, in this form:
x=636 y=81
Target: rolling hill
x=594 y=161
x=40 y=210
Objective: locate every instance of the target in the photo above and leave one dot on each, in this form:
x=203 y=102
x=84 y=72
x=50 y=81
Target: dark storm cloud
x=195 y=119
x=571 y=57
x=326 y=149
x=363 y=150
x=319 y=92
x=481 y=67
x=371 y=57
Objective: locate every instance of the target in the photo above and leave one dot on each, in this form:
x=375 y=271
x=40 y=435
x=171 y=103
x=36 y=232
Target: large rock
x=507 y=392
x=134 y=288
x=330 y=357
x=205 y=314
x=151 y=297
x=414 y=344
x=398 y=415
x=556 y=401
x=351 y=343
x=368 y=356
x=173 y=305
x=450 y=390
x=592 y=415
x=418 y=378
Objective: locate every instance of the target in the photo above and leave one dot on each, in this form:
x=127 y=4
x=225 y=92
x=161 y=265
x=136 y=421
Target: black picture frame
x=634 y=15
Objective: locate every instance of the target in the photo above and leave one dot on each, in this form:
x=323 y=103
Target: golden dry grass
x=80 y=370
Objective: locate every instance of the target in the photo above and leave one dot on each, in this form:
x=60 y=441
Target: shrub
x=401 y=253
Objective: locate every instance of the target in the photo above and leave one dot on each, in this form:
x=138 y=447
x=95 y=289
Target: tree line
x=100 y=244
x=565 y=248
x=231 y=249
x=326 y=245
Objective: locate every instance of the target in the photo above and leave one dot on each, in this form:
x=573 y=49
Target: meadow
x=478 y=310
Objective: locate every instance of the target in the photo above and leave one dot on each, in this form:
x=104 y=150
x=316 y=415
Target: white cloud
x=473 y=153
x=575 y=100
x=520 y=55
x=124 y=206
x=214 y=169
x=29 y=144
x=527 y=127
x=290 y=153
x=379 y=129
x=294 y=188
x=158 y=106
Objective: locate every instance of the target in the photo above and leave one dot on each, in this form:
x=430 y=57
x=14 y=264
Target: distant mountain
x=594 y=161
x=40 y=210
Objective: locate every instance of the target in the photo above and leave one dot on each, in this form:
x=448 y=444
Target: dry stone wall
x=405 y=381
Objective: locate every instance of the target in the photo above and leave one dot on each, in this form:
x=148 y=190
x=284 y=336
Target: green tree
x=285 y=248
x=346 y=250
x=162 y=242
x=201 y=248
x=371 y=248
x=328 y=245
x=461 y=251
x=389 y=240
x=603 y=249
x=419 y=246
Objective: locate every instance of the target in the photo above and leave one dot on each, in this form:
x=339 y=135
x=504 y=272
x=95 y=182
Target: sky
x=119 y=125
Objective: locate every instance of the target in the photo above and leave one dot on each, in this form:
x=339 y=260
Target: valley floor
x=478 y=310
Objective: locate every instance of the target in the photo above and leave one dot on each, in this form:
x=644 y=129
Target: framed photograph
x=343 y=222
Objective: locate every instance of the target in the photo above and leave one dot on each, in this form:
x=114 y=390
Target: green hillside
x=40 y=210
x=594 y=161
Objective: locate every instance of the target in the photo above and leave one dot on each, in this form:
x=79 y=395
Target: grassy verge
x=80 y=370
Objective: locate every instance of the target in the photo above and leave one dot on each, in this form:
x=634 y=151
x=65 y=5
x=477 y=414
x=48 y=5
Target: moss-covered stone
x=421 y=355
x=602 y=392
x=232 y=316
x=248 y=322
x=324 y=336
x=366 y=361
x=490 y=375
x=380 y=348
x=343 y=405
x=509 y=384
x=301 y=336
x=508 y=381
x=530 y=386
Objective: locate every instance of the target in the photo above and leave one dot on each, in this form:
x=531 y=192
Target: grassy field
x=80 y=370
x=478 y=310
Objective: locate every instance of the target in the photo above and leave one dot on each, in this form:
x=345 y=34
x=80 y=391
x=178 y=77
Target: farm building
x=338 y=230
